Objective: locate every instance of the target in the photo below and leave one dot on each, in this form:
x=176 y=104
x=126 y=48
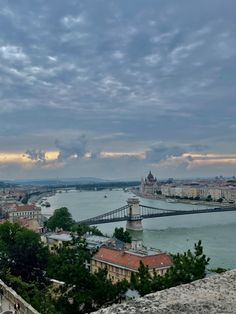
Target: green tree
x=218 y=270
x=82 y=229
x=187 y=267
x=29 y=255
x=22 y=251
x=82 y=292
x=34 y=293
x=142 y=281
x=209 y=198
x=122 y=235
x=60 y=219
x=25 y=198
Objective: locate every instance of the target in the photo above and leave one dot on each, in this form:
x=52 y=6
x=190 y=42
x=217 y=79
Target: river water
x=172 y=234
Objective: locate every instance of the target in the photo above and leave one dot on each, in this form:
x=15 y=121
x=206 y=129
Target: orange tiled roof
x=129 y=260
x=26 y=207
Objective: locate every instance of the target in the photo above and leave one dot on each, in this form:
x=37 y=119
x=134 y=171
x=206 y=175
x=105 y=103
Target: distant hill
x=5 y=184
x=81 y=180
x=85 y=180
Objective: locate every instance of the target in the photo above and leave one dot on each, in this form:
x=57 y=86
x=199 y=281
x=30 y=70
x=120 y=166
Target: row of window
x=24 y=214
x=111 y=268
x=120 y=271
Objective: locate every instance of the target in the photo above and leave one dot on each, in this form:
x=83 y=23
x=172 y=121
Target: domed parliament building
x=149 y=185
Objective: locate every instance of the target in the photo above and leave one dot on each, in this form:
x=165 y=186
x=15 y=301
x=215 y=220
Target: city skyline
x=115 y=89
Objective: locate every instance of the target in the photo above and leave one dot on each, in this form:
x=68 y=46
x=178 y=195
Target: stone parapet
x=9 y=299
x=216 y=294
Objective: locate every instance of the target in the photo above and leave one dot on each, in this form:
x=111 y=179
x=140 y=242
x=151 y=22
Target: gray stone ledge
x=216 y=294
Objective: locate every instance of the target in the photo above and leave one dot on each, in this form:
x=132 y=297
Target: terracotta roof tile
x=129 y=260
x=26 y=207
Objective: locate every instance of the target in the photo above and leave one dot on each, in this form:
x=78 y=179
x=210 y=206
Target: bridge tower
x=134 y=222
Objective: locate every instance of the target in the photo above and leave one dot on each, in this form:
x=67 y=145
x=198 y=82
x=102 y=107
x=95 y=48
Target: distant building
x=57 y=239
x=229 y=194
x=120 y=264
x=225 y=193
x=28 y=216
x=149 y=185
x=94 y=242
x=29 y=211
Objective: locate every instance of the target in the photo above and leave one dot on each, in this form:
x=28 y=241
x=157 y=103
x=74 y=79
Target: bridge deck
x=121 y=214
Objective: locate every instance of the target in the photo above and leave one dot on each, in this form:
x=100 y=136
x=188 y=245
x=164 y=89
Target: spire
x=150 y=176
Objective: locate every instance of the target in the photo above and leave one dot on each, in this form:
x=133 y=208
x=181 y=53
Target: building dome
x=149 y=185
x=150 y=176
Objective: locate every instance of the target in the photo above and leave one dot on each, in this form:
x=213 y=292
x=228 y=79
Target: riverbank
x=37 y=199
x=179 y=201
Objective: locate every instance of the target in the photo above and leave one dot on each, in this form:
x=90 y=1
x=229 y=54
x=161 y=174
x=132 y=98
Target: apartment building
x=120 y=264
x=29 y=211
x=228 y=194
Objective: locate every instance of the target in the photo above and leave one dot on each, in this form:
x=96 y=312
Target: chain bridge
x=134 y=213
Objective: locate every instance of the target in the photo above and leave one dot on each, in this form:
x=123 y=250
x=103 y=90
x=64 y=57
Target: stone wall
x=216 y=294
x=10 y=298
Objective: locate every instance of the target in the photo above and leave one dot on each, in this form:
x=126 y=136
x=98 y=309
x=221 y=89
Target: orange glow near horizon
x=22 y=158
x=210 y=155
x=214 y=161
x=197 y=159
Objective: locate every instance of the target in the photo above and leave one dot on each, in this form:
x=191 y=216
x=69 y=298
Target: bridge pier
x=134 y=222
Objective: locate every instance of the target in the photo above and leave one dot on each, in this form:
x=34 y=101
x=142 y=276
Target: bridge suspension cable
x=118 y=214
x=134 y=212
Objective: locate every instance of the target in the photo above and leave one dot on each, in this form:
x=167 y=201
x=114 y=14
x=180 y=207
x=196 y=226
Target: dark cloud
x=160 y=152
x=36 y=155
x=76 y=148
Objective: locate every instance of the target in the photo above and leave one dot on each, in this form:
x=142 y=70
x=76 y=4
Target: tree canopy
x=60 y=219
x=83 y=291
x=82 y=229
x=22 y=251
x=122 y=235
x=187 y=267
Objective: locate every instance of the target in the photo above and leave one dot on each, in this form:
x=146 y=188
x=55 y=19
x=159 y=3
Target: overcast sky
x=114 y=89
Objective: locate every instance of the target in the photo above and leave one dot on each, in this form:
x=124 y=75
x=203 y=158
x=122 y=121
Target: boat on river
x=46 y=204
x=170 y=200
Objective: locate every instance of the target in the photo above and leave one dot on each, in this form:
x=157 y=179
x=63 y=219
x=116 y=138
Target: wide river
x=172 y=234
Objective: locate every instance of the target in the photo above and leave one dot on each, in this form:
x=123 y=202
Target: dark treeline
x=107 y=185
x=96 y=185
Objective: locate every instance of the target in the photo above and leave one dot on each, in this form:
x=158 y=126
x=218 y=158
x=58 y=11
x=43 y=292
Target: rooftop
x=65 y=237
x=26 y=207
x=96 y=239
x=132 y=260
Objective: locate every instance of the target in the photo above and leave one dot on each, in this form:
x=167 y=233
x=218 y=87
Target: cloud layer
x=84 y=78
